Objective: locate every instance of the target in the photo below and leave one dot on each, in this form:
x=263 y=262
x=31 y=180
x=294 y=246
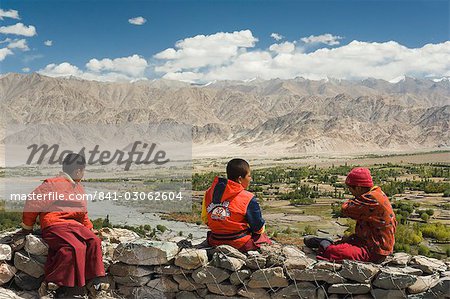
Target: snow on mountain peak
x=398 y=79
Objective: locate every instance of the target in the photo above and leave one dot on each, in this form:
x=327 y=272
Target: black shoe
x=313 y=242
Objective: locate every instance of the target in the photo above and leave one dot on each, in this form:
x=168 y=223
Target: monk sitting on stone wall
x=75 y=252
x=374 y=238
x=233 y=214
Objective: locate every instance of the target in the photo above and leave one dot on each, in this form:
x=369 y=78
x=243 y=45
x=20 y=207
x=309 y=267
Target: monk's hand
x=94 y=231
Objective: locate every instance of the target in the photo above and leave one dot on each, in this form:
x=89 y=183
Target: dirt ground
x=321 y=160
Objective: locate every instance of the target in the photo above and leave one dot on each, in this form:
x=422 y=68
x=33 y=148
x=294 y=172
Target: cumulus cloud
x=234 y=56
x=18 y=44
x=19 y=29
x=119 y=69
x=59 y=70
x=276 y=36
x=11 y=13
x=327 y=39
x=15 y=43
x=133 y=66
x=286 y=47
x=12 y=44
x=4 y=52
x=48 y=43
x=205 y=50
x=137 y=21
x=355 y=60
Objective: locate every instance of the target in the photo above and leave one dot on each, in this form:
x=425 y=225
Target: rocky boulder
x=268 y=278
x=117 y=235
x=393 y=280
x=35 y=245
x=227 y=262
x=209 y=274
x=6 y=273
x=191 y=258
x=28 y=264
x=145 y=252
x=358 y=271
x=5 y=252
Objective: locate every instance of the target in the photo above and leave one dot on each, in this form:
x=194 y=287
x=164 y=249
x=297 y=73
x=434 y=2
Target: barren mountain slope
x=298 y=114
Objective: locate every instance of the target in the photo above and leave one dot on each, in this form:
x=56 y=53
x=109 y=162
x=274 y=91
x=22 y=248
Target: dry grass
x=289 y=240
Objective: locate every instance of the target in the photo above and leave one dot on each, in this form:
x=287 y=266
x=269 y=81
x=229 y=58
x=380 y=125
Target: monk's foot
x=47 y=290
x=313 y=242
x=101 y=294
x=98 y=289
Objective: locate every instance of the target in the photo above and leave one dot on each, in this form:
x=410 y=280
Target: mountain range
x=296 y=115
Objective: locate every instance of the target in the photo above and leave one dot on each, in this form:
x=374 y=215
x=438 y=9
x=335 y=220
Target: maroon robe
x=74 y=256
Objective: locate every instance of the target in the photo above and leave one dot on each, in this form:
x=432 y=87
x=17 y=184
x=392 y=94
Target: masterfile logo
x=140 y=153
x=147 y=167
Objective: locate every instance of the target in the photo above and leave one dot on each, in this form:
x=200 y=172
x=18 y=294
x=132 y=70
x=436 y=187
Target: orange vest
x=226 y=205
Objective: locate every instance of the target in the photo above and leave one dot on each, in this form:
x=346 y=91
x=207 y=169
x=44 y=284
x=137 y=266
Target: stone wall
x=139 y=268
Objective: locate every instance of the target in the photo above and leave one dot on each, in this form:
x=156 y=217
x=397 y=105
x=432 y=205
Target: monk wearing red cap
x=374 y=236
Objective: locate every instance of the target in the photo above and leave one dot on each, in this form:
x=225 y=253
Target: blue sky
x=83 y=30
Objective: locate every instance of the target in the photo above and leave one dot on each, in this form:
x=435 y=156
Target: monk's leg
x=344 y=251
x=255 y=242
x=94 y=265
x=262 y=239
x=94 y=268
x=65 y=264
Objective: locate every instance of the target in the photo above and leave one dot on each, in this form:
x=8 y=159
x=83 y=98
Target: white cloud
x=48 y=43
x=19 y=29
x=205 y=50
x=5 y=52
x=137 y=21
x=234 y=56
x=355 y=60
x=276 y=36
x=26 y=69
x=11 y=13
x=18 y=44
x=119 y=69
x=327 y=39
x=59 y=70
x=133 y=66
x=286 y=47
x=12 y=44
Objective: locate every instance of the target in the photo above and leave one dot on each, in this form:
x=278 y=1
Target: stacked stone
x=148 y=268
x=22 y=262
x=7 y=270
x=140 y=268
x=22 y=259
x=111 y=238
x=144 y=268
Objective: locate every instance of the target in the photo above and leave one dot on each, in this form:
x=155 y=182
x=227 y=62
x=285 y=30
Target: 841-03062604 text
x=135 y=195
x=100 y=195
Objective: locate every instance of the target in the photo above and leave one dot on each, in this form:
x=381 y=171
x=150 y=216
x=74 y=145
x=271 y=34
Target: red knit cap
x=359 y=176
